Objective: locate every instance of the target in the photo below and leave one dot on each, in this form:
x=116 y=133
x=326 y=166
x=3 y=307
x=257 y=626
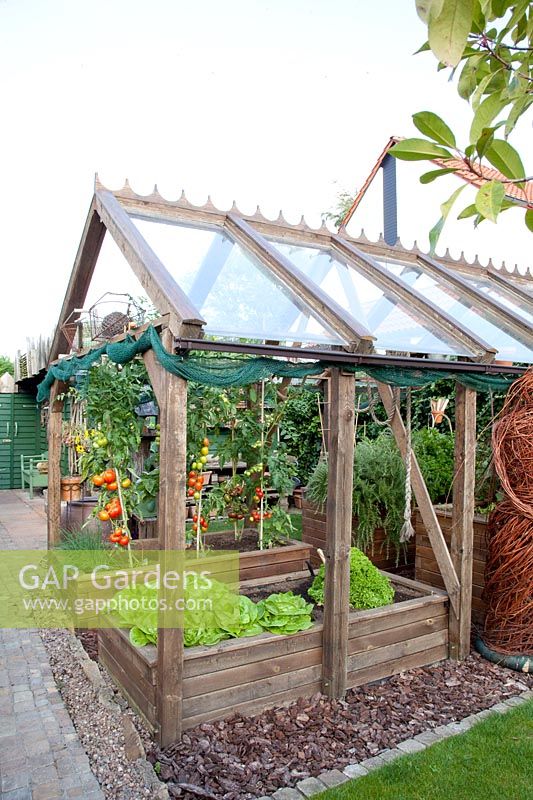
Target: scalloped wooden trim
x=399 y=249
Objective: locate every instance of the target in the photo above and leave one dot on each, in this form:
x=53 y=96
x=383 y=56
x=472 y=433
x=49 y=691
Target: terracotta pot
x=71 y=487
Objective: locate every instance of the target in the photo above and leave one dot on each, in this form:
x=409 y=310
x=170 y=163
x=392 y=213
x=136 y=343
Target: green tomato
x=203 y=459
x=102 y=442
x=194 y=465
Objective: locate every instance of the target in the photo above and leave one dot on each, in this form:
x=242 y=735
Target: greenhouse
x=238 y=300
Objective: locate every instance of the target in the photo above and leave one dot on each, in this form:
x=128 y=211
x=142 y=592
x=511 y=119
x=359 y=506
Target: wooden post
x=55 y=425
x=338 y=533
x=171 y=394
x=427 y=512
x=462 y=533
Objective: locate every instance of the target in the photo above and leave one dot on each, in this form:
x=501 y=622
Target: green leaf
x=445 y=209
x=484 y=141
x=489 y=199
x=486 y=112
x=529 y=219
x=423 y=6
x=434 y=235
x=418 y=150
x=468 y=211
x=432 y=125
x=505 y=158
x=428 y=177
x=422 y=49
x=468 y=80
x=449 y=27
x=518 y=108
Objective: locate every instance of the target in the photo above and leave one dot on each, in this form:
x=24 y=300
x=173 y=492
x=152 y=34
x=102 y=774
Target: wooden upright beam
x=427 y=512
x=55 y=424
x=338 y=533
x=80 y=279
x=171 y=394
x=462 y=535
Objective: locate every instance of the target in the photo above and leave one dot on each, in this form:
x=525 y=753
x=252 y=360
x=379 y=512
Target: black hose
x=516 y=662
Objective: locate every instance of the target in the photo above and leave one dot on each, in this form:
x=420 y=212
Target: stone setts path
x=41 y=757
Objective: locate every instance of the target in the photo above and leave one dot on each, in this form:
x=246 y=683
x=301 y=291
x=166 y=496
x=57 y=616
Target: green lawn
x=492 y=761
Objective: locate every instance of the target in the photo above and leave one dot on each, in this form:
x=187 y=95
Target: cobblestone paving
x=41 y=757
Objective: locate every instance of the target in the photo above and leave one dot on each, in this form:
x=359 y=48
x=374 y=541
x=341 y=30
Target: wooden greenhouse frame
x=332 y=656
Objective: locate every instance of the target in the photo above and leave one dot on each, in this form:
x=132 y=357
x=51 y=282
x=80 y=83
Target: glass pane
x=394 y=325
x=519 y=307
x=479 y=320
x=235 y=294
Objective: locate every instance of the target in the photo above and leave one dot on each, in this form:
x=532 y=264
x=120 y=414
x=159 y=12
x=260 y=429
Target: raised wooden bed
x=314 y=533
x=256 y=564
x=250 y=675
x=426 y=569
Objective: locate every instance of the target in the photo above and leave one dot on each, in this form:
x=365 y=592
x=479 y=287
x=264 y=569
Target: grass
x=492 y=761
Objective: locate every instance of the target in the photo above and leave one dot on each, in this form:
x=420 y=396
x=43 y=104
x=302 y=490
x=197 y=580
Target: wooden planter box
x=254 y=565
x=274 y=561
x=426 y=569
x=314 y=532
x=249 y=675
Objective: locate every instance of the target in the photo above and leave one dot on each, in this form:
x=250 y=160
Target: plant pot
x=71 y=487
x=438 y=416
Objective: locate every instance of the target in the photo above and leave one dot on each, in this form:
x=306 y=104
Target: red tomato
x=123 y=541
x=98 y=480
x=112 y=487
x=109 y=475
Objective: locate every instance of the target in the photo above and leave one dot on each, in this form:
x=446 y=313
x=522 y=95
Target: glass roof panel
x=478 y=319
x=395 y=326
x=519 y=307
x=236 y=295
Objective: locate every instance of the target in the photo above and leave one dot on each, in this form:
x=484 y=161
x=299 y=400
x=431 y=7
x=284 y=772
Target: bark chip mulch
x=245 y=757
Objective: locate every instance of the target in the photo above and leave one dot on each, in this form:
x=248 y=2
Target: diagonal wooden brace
x=427 y=512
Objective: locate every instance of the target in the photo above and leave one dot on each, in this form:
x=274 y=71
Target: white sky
x=281 y=103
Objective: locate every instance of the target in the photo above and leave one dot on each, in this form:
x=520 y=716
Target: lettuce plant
x=368 y=587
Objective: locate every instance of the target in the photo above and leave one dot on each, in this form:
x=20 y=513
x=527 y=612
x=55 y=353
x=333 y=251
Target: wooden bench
x=30 y=475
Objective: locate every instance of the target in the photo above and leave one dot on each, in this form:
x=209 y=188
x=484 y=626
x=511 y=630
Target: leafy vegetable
x=368 y=587
x=217 y=614
x=285 y=613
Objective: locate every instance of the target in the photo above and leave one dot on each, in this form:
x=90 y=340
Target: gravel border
x=115 y=738
x=333 y=777
x=111 y=733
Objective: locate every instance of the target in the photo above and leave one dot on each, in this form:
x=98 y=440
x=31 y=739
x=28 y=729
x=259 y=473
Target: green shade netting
x=224 y=372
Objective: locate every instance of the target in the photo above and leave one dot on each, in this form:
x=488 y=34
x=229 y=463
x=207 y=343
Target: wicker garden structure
x=301 y=295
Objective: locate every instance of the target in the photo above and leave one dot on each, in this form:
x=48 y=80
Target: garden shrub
x=435 y=454
x=368 y=587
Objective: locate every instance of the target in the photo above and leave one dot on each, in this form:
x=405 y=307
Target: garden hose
x=516 y=662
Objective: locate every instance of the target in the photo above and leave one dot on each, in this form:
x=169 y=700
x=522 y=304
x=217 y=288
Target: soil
x=249 y=541
x=245 y=757
x=301 y=586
